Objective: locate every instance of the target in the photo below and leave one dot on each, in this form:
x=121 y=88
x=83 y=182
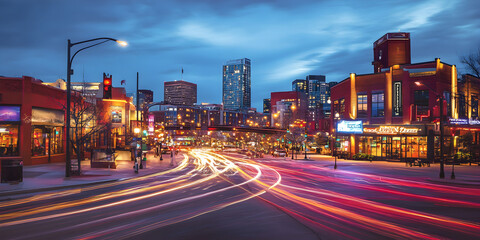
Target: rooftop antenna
x=182 y=73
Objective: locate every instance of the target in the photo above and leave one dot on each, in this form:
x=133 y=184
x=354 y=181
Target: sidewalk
x=48 y=177
x=464 y=174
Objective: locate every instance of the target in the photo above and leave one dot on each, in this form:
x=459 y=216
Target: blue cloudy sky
x=285 y=40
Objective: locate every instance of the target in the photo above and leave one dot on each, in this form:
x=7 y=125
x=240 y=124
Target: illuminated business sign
x=397 y=99
x=391 y=130
x=350 y=126
x=463 y=121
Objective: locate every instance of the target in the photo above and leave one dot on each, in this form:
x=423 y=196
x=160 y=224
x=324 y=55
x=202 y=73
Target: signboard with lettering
x=463 y=121
x=397 y=99
x=350 y=126
x=392 y=130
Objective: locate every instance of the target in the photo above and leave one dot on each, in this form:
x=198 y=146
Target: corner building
x=399 y=107
x=400 y=118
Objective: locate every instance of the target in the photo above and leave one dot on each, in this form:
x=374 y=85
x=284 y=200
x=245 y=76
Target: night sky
x=285 y=40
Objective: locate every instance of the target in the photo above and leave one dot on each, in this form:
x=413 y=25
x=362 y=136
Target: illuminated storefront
x=47 y=131
x=32 y=121
x=395 y=142
x=9 y=129
x=383 y=141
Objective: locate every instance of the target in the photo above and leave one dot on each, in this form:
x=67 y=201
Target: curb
x=46 y=189
x=454 y=183
x=25 y=191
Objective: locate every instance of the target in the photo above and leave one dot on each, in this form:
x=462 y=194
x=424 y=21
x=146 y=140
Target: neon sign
x=392 y=130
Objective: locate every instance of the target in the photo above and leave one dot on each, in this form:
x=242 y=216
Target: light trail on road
x=333 y=203
x=301 y=193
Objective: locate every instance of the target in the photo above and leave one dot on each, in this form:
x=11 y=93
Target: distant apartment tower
x=316 y=88
x=267 y=106
x=299 y=85
x=144 y=97
x=180 y=93
x=391 y=49
x=236 y=84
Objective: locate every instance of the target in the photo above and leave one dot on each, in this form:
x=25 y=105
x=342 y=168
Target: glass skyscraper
x=236 y=84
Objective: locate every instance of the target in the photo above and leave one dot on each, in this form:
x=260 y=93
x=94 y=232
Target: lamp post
x=335 y=119
x=69 y=74
x=441 y=98
x=305 y=144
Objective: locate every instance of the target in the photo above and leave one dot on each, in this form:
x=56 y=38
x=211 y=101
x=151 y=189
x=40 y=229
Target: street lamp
x=69 y=73
x=335 y=119
x=441 y=98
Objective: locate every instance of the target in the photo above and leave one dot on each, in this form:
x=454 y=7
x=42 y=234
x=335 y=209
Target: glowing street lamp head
x=337 y=115
x=136 y=130
x=122 y=43
x=418 y=83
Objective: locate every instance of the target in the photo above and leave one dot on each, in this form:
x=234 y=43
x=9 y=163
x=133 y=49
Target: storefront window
x=378 y=106
x=57 y=136
x=39 y=144
x=362 y=105
x=47 y=140
x=8 y=140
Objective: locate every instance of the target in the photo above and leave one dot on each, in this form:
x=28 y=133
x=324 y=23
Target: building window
x=342 y=106
x=462 y=109
x=336 y=107
x=474 y=104
x=378 y=105
x=8 y=140
x=362 y=106
x=448 y=99
x=421 y=102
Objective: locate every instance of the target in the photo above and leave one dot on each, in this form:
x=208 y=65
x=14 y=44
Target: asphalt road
x=228 y=196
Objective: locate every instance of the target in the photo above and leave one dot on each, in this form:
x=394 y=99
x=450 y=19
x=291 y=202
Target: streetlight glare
x=122 y=43
x=418 y=83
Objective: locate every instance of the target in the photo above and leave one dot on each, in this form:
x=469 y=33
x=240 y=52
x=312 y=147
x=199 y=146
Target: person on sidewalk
x=171 y=160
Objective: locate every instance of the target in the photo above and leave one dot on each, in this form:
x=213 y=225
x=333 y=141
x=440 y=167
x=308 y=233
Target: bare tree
x=472 y=63
x=295 y=135
x=86 y=121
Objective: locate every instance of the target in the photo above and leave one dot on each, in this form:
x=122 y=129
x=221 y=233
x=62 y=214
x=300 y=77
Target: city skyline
x=173 y=35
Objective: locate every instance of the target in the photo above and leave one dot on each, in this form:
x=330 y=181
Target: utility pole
x=442 y=171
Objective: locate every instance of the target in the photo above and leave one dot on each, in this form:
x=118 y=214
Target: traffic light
x=306 y=135
x=107 y=86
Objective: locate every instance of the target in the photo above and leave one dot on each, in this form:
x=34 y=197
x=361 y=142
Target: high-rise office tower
x=180 y=92
x=236 y=84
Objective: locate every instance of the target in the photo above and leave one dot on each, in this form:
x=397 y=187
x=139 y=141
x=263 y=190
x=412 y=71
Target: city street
x=209 y=195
